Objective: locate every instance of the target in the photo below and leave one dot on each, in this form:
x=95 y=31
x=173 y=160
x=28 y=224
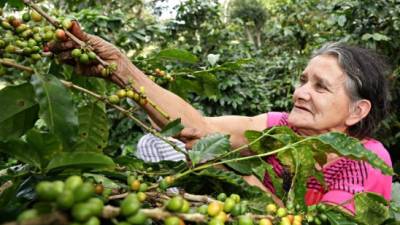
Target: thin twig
x=167 y=195
x=10 y=63
x=5 y=186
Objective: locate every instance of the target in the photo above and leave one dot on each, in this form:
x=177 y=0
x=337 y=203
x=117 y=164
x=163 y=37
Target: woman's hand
x=103 y=49
x=190 y=136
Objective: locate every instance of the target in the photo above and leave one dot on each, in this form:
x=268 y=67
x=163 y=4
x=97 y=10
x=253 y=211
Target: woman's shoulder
x=378 y=148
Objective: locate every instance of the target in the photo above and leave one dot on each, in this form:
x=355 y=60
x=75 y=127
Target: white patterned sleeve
x=152 y=149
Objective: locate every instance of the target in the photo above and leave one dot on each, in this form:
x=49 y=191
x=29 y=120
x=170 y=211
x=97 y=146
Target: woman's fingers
x=77 y=31
x=190 y=133
x=190 y=144
x=92 y=70
x=58 y=46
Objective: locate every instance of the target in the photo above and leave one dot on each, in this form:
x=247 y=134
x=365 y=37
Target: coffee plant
x=54 y=132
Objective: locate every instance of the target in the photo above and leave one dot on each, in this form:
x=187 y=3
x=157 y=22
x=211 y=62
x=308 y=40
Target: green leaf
x=208 y=83
x=272 y=138
x=182 y=87
x=370 y=208
x=276 y=181
x=375 y=37
x=81 y=160
x=100 y=178
x=257 y=146
x=304 y=168
x=395 y=203
x=93 y=128
x=56 y=108
x=172 y=128
x=21 y=151
x=46 y=145
x=209 y=148
x=244 y=167
x=339 y=218
x=234 y=65
x=178 y=55
x=380 y=37
x=20 y=110
x=352 y=148
x=18 y=4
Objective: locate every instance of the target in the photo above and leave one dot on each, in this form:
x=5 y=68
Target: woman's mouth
x=297 y=107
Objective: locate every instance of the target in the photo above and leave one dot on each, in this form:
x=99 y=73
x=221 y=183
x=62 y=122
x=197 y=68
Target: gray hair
x=366 y=71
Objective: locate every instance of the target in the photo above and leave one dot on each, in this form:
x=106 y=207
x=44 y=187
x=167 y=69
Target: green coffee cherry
x=46 y=191
x=130 y=205
x=281 y=212
x=229 y=204
x=172 y=220
x=84 y=192
x=96 y=205
x=202 y=209
x=81 y=212
x=65 y=200
x=92 y=55
x=215 y=221
x=221 y=197
x=72 y=182
x=92 y=221
x=185 y=207
x=143 y=187
x=271 y=208
x=84 y=58
x=175 y=204
x=245 y=220
x=235 y=197
x=76 y=53
x=138 y=219
x=28 y=215
x=114 y=99
x=163 y=184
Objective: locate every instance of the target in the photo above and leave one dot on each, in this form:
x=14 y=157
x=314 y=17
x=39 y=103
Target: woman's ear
x=358 y=111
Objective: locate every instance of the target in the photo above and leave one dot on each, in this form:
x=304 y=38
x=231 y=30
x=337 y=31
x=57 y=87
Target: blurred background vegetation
x=250 y=52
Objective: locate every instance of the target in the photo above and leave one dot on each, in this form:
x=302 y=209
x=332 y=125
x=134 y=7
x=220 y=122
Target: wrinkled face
x=321 y=103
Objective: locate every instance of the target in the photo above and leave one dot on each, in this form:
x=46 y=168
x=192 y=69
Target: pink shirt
x=344 y=177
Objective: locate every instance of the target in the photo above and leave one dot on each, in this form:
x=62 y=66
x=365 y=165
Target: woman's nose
x=302 y=92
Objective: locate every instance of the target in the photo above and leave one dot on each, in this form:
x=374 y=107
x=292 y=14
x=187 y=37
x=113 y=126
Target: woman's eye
x=320 y=86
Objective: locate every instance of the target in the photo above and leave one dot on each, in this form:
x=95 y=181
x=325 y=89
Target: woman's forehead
x=324 y=67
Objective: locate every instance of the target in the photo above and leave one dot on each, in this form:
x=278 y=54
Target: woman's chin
x=299 y=120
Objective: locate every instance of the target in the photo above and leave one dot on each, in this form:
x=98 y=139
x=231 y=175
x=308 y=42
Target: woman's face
x=321 y=103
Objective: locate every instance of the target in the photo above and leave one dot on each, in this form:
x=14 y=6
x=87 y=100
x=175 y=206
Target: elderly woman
x=342 y=89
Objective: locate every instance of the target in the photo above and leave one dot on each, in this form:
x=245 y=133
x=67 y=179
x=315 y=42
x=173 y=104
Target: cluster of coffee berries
x=73 y=195
x=316 y=214
x=83 y=56
x=139 y=96
x=162 y=74
x=23 y=35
